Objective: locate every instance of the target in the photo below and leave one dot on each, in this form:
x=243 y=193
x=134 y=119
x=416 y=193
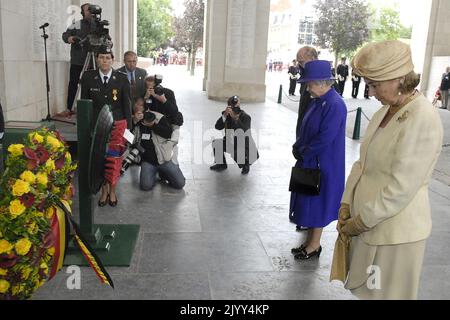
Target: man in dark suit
x=106 y=86
x=136 y=76
x=294 y=75
x=356 y=81
x=342 y=74
x=304 y=55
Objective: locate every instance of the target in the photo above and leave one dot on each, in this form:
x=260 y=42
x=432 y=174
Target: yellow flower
x=4 y=286
x=56 y=190
x=26 y=273
x=68 y=157
x=16 y=208
x=36 y=137
x=16 y=150
x=38 y=214
x=5 y=246
x=28 y=176
x=23 y=246
x=49 y=213
x=42 y=179
x=54 y=143
x=50 y=165
x=3 y=272
x=51 y=251
x=44 y=267
x=33 y=228
x=20 y=188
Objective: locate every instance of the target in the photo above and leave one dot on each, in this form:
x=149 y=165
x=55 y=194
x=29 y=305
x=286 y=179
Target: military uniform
x=115 y=93
x=138 y=88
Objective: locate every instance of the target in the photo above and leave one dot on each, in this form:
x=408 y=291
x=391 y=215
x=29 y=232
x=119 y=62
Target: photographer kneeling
x=162 y=100
x=237 y=141
x=159 y=151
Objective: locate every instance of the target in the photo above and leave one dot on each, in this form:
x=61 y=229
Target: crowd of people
x=383 y=211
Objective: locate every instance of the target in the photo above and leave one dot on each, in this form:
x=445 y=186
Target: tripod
x=89 y=58
x=48 y=118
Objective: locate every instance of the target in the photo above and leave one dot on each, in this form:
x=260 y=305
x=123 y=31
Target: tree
x=189 y=30
x=386 y=24
x=342 y=25
x=154 y=25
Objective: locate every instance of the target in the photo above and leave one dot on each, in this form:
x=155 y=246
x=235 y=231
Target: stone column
x=430 y=43
x=238 y=49
x=206 y=43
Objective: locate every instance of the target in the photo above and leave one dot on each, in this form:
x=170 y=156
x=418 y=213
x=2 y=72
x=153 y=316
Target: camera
x=233 y=102
x=159 y=90
x=132 y=158
x=99 y=34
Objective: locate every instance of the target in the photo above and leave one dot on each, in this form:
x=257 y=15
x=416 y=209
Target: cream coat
x=388 y=185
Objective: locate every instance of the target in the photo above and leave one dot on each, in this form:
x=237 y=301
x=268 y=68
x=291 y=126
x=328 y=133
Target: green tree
x=342 y=26
x=189 y=30
x=154 y=25
x=386 y=24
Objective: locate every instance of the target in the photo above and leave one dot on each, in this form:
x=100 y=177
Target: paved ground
x=226 y=236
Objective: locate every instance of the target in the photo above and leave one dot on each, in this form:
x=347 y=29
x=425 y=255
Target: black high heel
x=112 y=203
x=101 y=204
x=298 y=250
x=306 y=256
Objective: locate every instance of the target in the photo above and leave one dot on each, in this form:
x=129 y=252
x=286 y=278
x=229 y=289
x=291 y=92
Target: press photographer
x=162 y=100
x=237 y=141
x=159 y=156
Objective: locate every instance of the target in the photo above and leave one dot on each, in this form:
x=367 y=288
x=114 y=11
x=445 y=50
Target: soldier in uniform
x=136 y=76
x=106 y=86
x=356 y=81
x=76 y=32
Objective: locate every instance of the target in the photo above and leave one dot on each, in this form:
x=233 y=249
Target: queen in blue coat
x=321 y=141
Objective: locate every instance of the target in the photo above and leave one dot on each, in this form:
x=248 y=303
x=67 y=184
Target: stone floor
x=227 y=236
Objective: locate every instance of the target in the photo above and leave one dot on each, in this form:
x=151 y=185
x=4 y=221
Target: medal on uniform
x=115 y=92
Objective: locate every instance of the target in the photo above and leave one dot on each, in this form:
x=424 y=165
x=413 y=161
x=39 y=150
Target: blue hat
x=317 y=70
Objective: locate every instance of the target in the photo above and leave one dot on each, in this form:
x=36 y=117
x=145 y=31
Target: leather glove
x=353 y=227
x=296 y=154
x=344 y=215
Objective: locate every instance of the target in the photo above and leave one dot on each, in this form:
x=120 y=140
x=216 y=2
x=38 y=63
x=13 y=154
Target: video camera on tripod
x=99 y=35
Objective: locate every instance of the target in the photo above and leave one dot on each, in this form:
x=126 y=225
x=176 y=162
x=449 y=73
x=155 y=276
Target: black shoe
x=245 y=169
x=219 y=167
x=113 y=203
x=296 y=251
x=303 y=255
x=101 y=204
x=301 y=229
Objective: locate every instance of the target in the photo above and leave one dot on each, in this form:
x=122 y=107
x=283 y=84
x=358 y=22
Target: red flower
x=30 y=154
x=28 y=200
x=8 y=260
x=59 y=164
x=42 y=154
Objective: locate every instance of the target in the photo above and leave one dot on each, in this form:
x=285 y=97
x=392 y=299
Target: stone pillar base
x=247 y=92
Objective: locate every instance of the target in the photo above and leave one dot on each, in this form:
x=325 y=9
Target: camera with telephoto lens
x=132 y=158
x=99 y=34
x=233 y=103
x=159 y=90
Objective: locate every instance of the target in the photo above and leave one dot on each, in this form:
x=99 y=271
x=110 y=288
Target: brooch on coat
x=403 y=117
x=115 y=92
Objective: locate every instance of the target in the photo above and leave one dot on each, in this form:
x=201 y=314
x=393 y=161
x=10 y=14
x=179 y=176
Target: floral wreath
x=39 y=173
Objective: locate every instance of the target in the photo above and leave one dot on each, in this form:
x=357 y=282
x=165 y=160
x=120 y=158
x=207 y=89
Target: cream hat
x=382 y=61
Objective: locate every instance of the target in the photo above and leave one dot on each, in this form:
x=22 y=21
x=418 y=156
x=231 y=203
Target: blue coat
x=322 y=136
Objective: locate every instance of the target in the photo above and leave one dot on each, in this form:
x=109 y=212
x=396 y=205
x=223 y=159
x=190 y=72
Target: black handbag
x=305 y=181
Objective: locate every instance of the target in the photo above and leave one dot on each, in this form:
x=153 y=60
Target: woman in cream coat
x=385 y=208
